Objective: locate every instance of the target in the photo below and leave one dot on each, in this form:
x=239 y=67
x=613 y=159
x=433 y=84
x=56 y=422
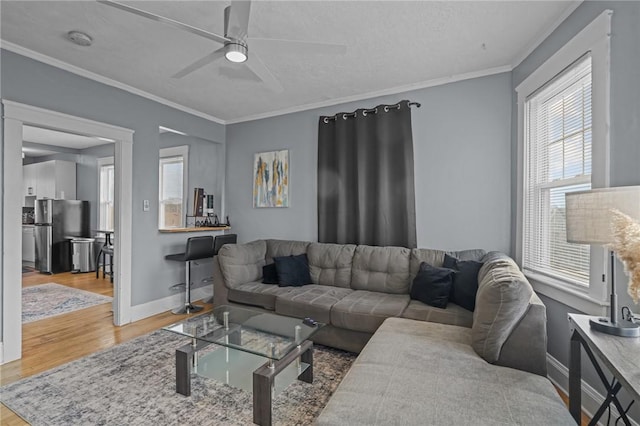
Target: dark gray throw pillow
x=465 y=281
x=432 y=285
x=269 y=274
x=293 y=271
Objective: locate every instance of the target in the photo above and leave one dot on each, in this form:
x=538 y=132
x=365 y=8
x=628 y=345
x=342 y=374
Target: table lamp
x=588 y=215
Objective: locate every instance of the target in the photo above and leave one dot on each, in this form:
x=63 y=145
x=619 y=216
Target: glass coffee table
x=260 y=352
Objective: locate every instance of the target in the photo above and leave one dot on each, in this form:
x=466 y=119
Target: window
x=563 y=146
x=106 y=193
x=172 y=188
x=557 y=160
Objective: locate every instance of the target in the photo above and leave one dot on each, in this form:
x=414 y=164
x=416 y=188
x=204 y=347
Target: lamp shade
x=588 y=213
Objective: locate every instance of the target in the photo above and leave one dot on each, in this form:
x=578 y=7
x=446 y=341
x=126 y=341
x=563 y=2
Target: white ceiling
x=391 y=45
x=57 y=139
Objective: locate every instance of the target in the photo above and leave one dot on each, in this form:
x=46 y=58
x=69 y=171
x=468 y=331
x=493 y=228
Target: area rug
x=134 y=384
x=48 y=300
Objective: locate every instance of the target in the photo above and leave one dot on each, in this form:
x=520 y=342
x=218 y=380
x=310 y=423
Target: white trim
x=59 y=121
x=1 y=353
x=591 y=398
x=105 y=161
x=12 y=47
x=594 y=38
x=572 y=296
x=15 y=115
x=177 y=151
x=398 y=90
x=573 y=5
x=12 y=241
x=158 y=306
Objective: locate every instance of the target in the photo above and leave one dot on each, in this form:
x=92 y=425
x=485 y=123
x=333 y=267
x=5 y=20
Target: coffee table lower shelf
x=233 y=367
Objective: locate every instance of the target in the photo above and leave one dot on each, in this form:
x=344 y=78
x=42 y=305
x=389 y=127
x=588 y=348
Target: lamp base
x=621 y=328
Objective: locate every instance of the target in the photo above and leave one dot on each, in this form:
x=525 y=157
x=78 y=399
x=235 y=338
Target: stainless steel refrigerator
x=56 y=222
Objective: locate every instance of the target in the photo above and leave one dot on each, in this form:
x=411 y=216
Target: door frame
x=15 y=116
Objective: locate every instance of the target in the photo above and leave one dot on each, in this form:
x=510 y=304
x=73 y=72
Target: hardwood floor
x=58 y=340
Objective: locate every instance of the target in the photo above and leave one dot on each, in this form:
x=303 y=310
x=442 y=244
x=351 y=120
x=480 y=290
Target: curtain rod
x=369 y=111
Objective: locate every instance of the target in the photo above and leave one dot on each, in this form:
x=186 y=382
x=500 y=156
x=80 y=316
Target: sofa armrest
x=220 y=290
x=526 y=347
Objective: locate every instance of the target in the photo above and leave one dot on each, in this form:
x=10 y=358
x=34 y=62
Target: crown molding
x=573 y=5
x=12 y=47
x=385 y=92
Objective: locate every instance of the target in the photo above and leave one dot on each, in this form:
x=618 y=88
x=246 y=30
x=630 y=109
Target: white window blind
x=557 y=161
x=107 y=195
x=171 y=192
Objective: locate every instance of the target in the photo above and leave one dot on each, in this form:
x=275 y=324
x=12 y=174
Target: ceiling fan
x=235 y=41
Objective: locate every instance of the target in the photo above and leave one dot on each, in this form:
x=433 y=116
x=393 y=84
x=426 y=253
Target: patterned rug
x=134 y=384
x=48 y=300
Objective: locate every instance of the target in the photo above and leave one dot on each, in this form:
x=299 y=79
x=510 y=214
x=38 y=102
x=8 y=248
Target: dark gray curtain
x=366 y=191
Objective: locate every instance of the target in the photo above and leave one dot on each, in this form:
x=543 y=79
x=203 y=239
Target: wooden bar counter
x=196 y=229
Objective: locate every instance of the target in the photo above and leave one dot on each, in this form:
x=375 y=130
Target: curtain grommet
x=326 y=120
x=386 y=109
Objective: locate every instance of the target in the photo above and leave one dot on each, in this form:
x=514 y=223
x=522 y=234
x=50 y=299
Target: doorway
x=16 y=115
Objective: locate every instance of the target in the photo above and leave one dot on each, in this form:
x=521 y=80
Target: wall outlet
x=145 y=205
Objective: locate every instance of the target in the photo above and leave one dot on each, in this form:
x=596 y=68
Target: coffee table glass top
x=269 y=335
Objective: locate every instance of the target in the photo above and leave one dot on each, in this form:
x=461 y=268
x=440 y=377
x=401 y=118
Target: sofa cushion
x=293 y=271
x=366 y=310
x=452 y=315
x=432 y=285
x=418 y=373
x=312 y=300
x=381 y=269
x=330 y=264
x=279 y=248
x=502 y=300
x=257 y=294
x=436 y=257
x=269 y=274
x=242 y=263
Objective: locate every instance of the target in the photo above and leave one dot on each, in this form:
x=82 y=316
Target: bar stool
x=197 y=248
x=218 y=242
x=105 y=250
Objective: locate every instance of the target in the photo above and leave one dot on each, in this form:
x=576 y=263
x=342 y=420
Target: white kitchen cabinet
x=29 y=178
x=28 y=243
x=51 y=179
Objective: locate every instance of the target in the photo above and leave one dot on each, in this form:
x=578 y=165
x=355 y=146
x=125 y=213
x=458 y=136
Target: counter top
x=29 y=225
x=196 y=229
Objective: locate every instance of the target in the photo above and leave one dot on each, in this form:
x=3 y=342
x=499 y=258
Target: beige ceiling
x=390 y=46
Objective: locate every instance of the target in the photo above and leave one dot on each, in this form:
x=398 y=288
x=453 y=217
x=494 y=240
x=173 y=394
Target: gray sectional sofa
x=416 y=360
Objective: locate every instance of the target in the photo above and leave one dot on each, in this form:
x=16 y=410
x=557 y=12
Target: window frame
x=102 y=162
x=175 y=151
x=593 y=39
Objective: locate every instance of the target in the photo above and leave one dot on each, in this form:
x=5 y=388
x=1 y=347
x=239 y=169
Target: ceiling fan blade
x=211 y=57
x=295 y=46
x=258 y=67
x=239 y=19
x=164 y=20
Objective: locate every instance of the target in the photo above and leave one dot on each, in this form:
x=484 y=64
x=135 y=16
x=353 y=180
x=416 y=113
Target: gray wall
x=27 y=81
x=625 y=130
x=462 y=154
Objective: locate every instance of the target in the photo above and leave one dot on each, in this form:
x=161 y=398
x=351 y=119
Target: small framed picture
x=271 y=179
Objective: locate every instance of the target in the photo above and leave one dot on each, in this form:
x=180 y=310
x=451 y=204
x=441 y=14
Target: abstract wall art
x=271 y=179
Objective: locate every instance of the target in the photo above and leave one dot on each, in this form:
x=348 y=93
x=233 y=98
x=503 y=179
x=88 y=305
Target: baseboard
x=154 y=307
x=591 y=398
x=1 y=353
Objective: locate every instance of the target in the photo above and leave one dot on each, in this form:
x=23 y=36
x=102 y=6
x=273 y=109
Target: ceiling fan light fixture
x=236 y=52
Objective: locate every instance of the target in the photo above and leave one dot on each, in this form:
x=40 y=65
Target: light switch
x=145 y=205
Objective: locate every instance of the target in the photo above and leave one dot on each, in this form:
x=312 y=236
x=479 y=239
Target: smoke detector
x=80 y=38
